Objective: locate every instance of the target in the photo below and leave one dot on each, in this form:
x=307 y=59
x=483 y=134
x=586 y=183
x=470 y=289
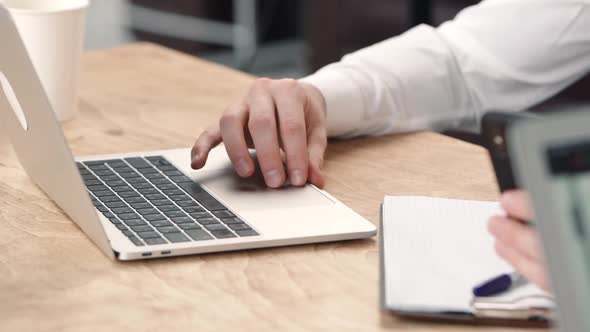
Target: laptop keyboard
x=151 y=202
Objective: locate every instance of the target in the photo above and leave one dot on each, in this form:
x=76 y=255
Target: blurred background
x=274 y=38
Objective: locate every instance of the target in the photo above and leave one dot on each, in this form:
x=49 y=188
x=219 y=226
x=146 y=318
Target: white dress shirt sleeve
x=497 y=55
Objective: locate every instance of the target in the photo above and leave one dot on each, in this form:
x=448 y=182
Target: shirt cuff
x=344 y=101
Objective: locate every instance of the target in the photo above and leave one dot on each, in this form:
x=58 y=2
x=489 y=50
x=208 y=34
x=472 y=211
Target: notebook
x=435 y=250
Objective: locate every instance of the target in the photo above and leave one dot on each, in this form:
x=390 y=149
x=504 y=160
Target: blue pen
x=499 y=284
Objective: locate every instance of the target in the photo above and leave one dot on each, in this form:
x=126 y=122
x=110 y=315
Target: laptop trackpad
x=252 y=194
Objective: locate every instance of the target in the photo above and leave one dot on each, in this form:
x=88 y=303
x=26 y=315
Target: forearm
x=501 y=54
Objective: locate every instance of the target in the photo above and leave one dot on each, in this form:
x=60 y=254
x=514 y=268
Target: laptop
x=152 y=204
x=551 y=159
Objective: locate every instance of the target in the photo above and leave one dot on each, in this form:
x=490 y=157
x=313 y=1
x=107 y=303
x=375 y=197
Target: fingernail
x=297 y=178
x=242 y=167
x=273 y=178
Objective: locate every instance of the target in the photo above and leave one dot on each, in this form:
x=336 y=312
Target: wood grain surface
x=142 y=97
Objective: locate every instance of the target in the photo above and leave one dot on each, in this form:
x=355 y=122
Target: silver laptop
x=551 y=158
x=147 y=205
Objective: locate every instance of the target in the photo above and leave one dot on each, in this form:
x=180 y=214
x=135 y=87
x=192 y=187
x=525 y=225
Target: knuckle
x=260 y=122
x=262 y=83
x=292 y=88
x=228 y=118
x=292 y=127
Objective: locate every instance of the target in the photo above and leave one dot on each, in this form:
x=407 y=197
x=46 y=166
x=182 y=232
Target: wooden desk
x=143 y=97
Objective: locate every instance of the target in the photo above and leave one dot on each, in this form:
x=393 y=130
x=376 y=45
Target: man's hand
x=275 y=115
x=516 y=242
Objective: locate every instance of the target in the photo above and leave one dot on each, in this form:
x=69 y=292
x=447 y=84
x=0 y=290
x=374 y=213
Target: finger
x=518 y=236
x=209 y=139
x=516 y=203
x=317 y=143
x=533 y=270
x=288 y=98
x=263 y=129
x=232 y=132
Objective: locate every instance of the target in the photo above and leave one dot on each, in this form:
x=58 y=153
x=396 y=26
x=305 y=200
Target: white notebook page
x=435 y=251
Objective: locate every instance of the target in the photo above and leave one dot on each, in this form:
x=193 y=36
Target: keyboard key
x=181 y=220
x=148 y=191
x=181 y=179
x=129 y=175
x=122 y=169
x=92 y=182
x=161 y=202
x=109 y=178
x=116 y=183
x=121 y=227
x=116 y=204
x=161 y=182
x=224 y=214
x=215 y=227
x=168 y=208
x=127 y=194
x=153 y=197
x=102 y=208
x=207 y=221
x=178 y=198
x=135 y=241
x=249 y=232
x=128 y=233
x=103 y=173
x=173 y=173
x=137 y=162
x=167 y=186
x=198 y=234
x=193 y=209
x=144 y=205
x=166 y=168
x=187 y=204
x=131 y=215
x=122 y=210
x=239 y=227
x=160 y=223
x=154 y=176
x=102 y=193
x=142 y=185
x=134 y=222
x=108 y=214
x=171 y=192
x=107 y=199
x=142 y=228
x=148 y=235
x=228 y=221
x=148 y=211
x=212 y=205
x=175 y=214
x=114 y=220
x=154 y=217
x=99 y=187
x=168 y=229
x=136 y=180
x=120 y=189
x=176 y=237
x=201 y=215
x=155 y=241
x=148 y=170
x=223 y=234
x=189 y=226
x=97 y=168
x=137 y=199
x=158 y=160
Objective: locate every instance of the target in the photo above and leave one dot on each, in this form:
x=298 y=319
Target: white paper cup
x=53 y=33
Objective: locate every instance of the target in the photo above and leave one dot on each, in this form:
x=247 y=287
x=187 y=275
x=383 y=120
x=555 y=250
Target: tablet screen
x=570 y=168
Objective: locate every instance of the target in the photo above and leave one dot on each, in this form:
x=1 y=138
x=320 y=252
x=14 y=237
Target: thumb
x=516 y=204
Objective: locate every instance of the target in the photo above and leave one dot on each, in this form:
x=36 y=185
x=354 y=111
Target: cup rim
x=83 y=4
